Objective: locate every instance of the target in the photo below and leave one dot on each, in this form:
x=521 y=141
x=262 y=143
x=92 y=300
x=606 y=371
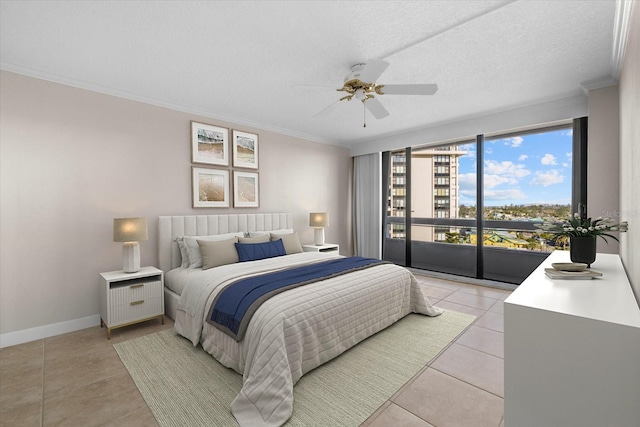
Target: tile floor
x=77 y=379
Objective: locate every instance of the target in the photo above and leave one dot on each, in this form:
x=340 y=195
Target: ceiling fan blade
x=333 y=106
x=376 y=108
x=372 y=70
x=418 y=89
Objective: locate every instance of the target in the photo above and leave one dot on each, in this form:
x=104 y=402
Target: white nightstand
x=128 y=298
x=327 y=247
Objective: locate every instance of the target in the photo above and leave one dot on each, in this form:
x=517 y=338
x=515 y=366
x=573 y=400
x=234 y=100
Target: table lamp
x=130 y=231
x=319 y=220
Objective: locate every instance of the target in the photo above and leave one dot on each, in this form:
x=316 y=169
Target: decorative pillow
x=259 y=239
x=184 y=254
x=256 y=251
x=193 y=249
x=267 y=233
x=218 y=252
x=290 y=241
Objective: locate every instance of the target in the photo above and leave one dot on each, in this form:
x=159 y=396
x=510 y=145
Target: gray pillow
x=290 y=241
x=218 y=252
x=184 y=252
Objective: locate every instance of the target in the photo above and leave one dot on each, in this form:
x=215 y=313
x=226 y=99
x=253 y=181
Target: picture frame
x=210 y=188
x=209 y=144
x=245 y=149
x=246 y=189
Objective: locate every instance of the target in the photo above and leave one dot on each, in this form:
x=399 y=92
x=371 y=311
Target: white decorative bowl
x=569 y=266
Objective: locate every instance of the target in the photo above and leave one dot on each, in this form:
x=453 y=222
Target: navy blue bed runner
x=235 y=304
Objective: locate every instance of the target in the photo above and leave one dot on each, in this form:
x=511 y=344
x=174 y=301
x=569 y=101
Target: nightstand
x=128 y=298
x=327 y=247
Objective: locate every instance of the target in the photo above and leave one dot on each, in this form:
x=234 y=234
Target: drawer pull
x=136 y=286
x=137 y=302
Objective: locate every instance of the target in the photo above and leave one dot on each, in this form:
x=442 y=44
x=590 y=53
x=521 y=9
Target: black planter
x=583 y=249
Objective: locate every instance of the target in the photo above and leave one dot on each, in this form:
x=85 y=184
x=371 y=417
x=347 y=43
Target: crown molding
x=597 y=84
x=620 y=32
x=209 y=114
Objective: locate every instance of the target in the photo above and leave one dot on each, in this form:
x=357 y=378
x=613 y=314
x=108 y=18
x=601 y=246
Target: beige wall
x=603 y=168
x=630 y=151
x=72 y=160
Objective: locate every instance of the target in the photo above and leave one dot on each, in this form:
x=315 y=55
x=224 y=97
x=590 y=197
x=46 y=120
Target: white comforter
x=297 y=330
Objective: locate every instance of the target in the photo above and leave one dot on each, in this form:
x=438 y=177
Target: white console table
x=572 y=349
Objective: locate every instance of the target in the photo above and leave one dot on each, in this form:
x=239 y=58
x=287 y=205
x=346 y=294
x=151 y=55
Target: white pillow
x=267 y=233
x=193 y=249
x=184 y=254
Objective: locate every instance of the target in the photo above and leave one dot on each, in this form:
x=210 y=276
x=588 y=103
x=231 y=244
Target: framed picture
x=246 y=191
x=209 y=144
x=210 y=188
x=245 y=150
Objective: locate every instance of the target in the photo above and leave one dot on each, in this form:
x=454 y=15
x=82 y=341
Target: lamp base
x=319 y=236
x=130 y=257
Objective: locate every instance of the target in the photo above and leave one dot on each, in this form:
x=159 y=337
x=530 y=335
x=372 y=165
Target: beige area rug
x=185 y=386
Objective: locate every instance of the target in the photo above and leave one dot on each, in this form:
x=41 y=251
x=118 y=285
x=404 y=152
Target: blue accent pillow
x=256 y=251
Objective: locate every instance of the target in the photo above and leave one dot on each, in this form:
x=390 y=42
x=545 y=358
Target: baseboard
x=32 y=334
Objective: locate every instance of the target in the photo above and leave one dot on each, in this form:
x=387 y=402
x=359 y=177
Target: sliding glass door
x=440 y=199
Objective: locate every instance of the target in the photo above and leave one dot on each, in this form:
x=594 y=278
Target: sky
x=522 y=170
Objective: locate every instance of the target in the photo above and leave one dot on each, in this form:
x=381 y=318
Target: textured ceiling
x=275 y=64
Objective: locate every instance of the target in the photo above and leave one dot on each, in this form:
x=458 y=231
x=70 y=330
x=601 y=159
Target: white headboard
x=170 y=227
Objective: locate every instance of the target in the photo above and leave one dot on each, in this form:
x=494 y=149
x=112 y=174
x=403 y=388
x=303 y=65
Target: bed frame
x=170 y=227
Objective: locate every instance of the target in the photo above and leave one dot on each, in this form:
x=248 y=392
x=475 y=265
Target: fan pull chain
x=364 y=115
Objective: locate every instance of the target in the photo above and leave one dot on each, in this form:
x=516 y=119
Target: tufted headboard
x=170 y=227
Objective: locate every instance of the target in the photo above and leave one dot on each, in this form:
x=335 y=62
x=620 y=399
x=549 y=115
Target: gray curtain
x=367 y=205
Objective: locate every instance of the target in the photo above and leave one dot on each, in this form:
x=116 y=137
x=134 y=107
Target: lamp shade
x=319 y=219
x=129 y=229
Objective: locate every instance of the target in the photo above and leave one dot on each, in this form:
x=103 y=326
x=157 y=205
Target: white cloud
x=548 y=159
x=566 y=165
x=491 y=181
x=547 y=178
x=488 y=150
x=496 y=195
x=568 y=133
x=523 y=157
x=508 y=170
x=514 y=142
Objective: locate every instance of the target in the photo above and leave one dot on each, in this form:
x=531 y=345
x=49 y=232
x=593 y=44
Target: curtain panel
x=367 y=205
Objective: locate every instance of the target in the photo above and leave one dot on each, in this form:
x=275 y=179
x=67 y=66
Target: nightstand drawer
x=135 y=310
x=132 y=302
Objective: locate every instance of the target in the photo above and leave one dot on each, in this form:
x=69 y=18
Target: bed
x=294 y=331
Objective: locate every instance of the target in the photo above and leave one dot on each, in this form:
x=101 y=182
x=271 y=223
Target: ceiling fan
x=361 y=84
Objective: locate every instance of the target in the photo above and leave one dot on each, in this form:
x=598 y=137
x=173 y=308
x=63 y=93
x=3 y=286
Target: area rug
x=184 y=386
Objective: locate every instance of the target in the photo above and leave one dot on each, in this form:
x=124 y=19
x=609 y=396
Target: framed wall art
x=209 y=144
x=245 y=150
x=210 y=188
x=246 y=189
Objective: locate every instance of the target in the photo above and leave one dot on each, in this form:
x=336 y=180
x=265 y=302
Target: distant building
x=435 y=190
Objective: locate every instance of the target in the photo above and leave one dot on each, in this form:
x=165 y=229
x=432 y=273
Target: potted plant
x=582 y=234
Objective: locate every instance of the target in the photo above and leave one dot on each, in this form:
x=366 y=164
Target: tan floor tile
x=78 y=342
x=498 y=307
x=470 y=300
x=434 y=292
x=27 y=414
x=474 y=367
x=95 y=404
x=486 y=292
x=393 y=415
x=447 y=305
x=483 y=339
x=445 y=401
x=439 y=283
x=21 y=381
x=491 y=320
x=64 y=374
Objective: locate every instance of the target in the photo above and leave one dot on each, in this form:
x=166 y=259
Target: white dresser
x=127 y=298
x=572 y=349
